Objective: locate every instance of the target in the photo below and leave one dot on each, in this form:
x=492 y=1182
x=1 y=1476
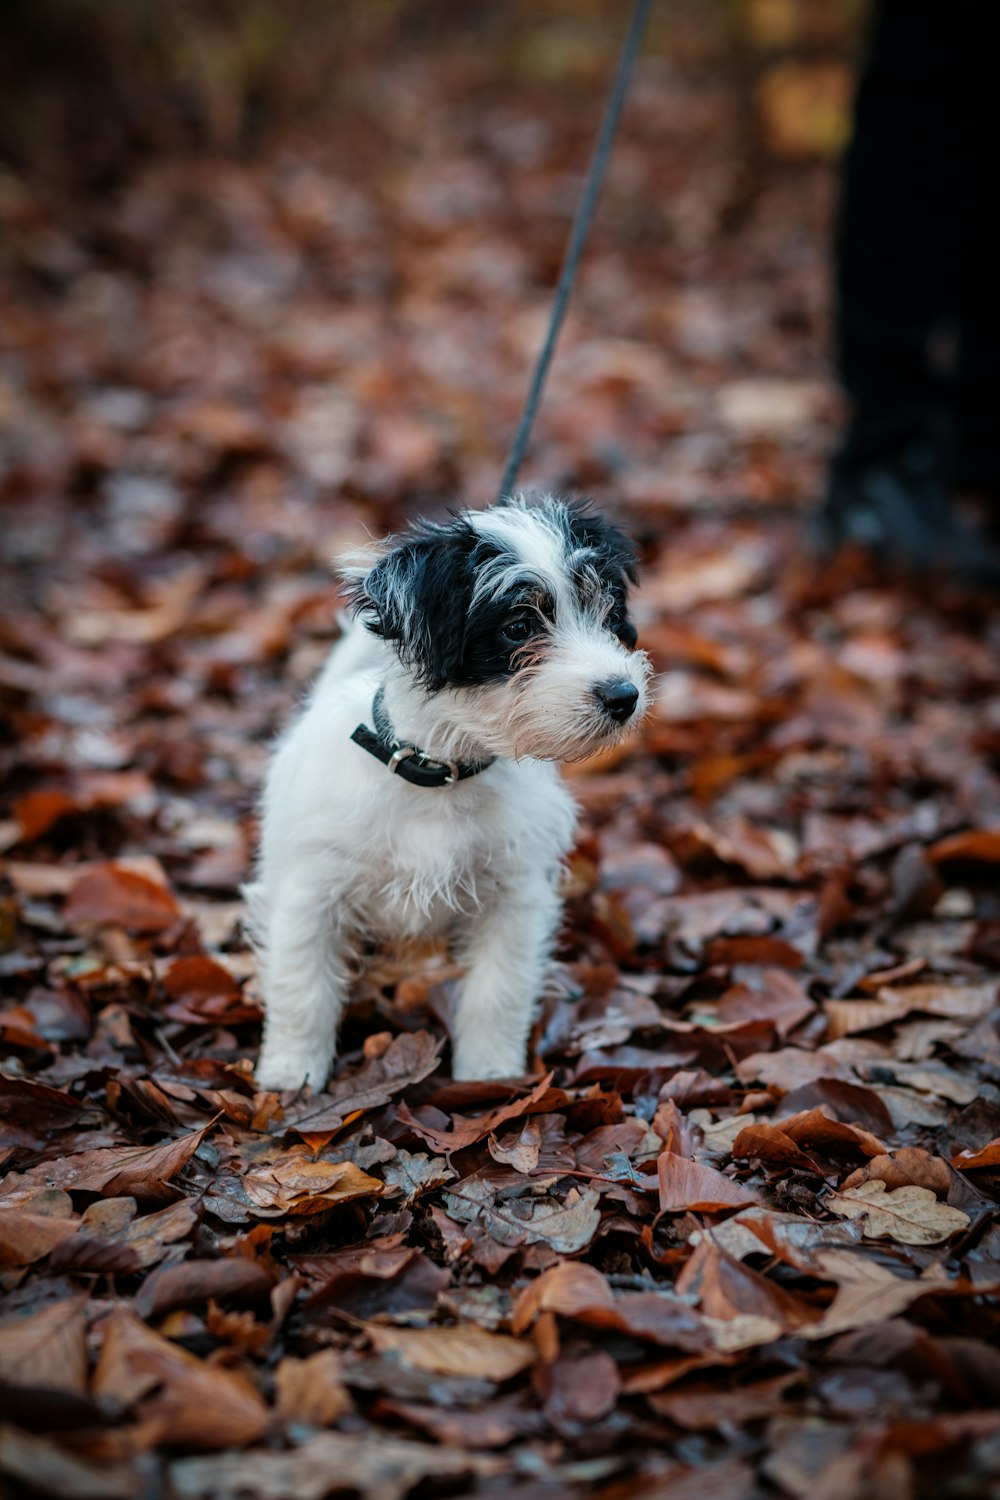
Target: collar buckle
x=399 y=754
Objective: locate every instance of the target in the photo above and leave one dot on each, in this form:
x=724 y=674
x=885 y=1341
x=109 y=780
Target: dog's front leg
x=506 y=951
x=305 y=983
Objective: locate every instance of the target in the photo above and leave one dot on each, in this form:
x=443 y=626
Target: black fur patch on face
x=420 y=593
x=419 y=596
x=611 y=556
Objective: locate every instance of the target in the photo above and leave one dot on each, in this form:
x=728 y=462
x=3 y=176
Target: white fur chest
x=434 y=855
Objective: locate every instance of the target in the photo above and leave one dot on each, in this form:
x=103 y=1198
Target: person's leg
x=906 y=220
x=978 y=387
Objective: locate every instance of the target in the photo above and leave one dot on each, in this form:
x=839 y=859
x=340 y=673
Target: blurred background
x=274 y=249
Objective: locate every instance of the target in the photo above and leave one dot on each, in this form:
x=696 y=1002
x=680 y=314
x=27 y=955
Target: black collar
x=406 y=760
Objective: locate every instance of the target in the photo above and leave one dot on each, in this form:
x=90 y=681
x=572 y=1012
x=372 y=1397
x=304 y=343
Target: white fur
x=350 y=853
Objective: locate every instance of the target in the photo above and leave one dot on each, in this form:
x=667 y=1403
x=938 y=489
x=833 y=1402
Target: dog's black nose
x=618 y=699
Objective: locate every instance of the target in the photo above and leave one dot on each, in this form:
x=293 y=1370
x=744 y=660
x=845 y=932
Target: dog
x=416 y=794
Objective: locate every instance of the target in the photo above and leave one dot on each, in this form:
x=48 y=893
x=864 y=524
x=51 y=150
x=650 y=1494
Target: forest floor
x=736 y=1234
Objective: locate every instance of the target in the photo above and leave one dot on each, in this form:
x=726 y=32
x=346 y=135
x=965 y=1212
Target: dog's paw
x=280 y=1069
x=474 y=1063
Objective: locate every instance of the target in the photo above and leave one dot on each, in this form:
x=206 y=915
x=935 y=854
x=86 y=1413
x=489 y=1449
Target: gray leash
x=581 y=224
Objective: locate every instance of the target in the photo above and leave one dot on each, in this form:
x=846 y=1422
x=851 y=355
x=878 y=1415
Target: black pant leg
x=978 y=383
x=905 y=216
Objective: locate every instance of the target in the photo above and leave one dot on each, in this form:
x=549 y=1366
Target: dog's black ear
x=417 y=596
x=613 y=551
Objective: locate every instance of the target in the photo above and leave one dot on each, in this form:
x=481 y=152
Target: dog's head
x=515 y=620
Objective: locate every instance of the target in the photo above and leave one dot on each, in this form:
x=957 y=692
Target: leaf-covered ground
x=736 y=1233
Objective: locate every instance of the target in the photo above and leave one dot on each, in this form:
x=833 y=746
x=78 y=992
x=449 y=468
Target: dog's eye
x=519 y=628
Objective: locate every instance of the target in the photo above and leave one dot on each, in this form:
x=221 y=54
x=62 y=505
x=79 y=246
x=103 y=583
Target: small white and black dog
x=415 y=794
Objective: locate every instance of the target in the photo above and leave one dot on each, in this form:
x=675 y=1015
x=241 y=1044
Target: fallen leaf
x=911 y=1215
x=580 y=1389
x=467 y=1130
x=40 y=1466
x=312 y=1390
x=116 y=1171
x=46 y=1350
x=296 y=1185
x=195 y=1281
x=184 y=1400
x=111 y=895
x=690 y=1185
x=568 y=1288
x=567 y=1225
x=867 y=1294
x=464 y=1351
x=909 y=1165
x=977 y=845
x=30 y=1231
x=385 y=1470
x=409 y=1059
x=984 y=1159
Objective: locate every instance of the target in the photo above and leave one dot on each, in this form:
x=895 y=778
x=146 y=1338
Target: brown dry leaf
x=868 y=1294
x=978 y=845
x=674 y=1129
x=909 y=1165
x=39 y=1222
x=36 y=1106
x=568 y=1288
x=703 y=1407
x=690 y=1185
x=384 y=1469
x=580 y=1389
x=580 y=1292
x=725 y=1290
x=196 y=1281
x=46 y=1350
x=787 y=1142
x=819 y=1129
x=848 y=1017
x=984 y=1159
x=778 y=997
x=115 y=1171
x=955 y=1002
x=149 y=1236
x=111 y=895
x=38 y=811
x=293 y=1184
x=37 y=1465
x=199 y=979
x=769 y=1143
x=960 y=1002
x=414 y=1172
x=183 y=1400
x=409 y=1059
x=519 y=1151
x=312 y=1390
x=467 y=1130
x=910 y=1215
x=466 y=1351
x=567 y=1225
